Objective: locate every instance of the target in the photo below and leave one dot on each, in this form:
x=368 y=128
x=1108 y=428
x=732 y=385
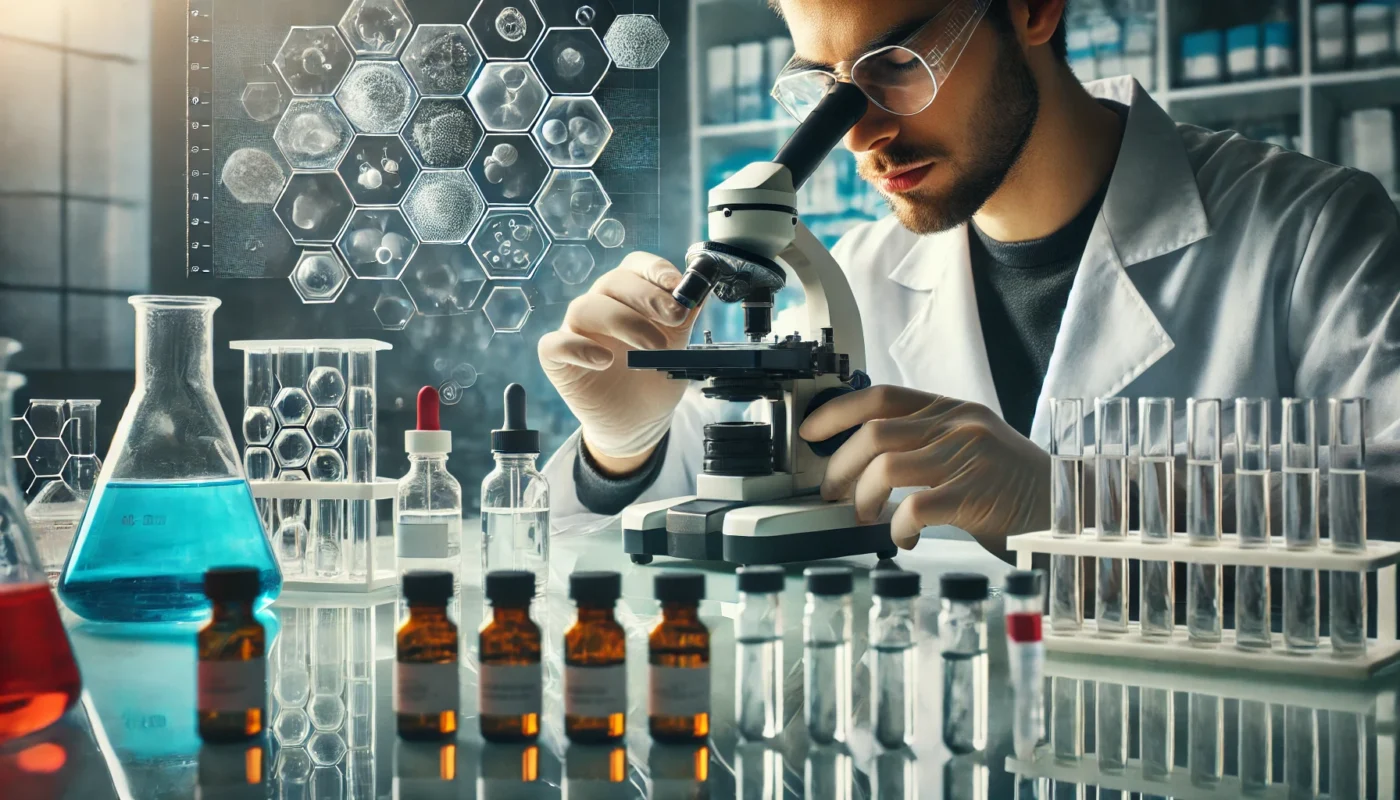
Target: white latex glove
x=623 y=413
x=983 y=476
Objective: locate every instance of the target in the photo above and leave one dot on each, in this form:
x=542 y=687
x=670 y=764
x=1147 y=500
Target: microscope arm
x=829 y=300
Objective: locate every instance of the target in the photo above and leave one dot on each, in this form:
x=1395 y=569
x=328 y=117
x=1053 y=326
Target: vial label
x=1372 y=43
x=510 y=689
x=1277 y=59
x=595 y=691
x=679 y=691
x=425 y=688
x=232 y=685
x=1331 y=49
x=425 y=539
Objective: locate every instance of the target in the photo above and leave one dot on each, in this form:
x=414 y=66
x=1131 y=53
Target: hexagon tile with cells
x=509 y=169
x=377 y=169
x=262 y=100
x=444 y=280
x=443 y=133
x=636 y=41
x=319 y=276
x=571 y=204
x=312 y=60
x=377 y=97
x=571 y=60
x=507 y=309
x=441 y=59
x=394 y=308
x=314 y=206
x=573 y=131
x=252 y=176
x=507 y=96
x=506 y=28
x=572 y=263
x=313 y=134
x=595 y=14
x=443 y=206
x=376 y=28
x=377 y=243
x=510 y=243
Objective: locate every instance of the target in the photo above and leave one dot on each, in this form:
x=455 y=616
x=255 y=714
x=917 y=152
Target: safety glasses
x=902 y=79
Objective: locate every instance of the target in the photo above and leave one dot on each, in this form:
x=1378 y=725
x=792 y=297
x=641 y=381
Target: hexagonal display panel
x=377 y=243
x=314 y=206
x=252 y=176
x=571 y=60
x=441 y=59
x=312 y=60
x=378 y=170
x=572 y=263
x=443 y=206
x=571 y=204
x=394 y=308
x=313 y=134
x=507 y=96
x=376 y=28
x=377 y=97
x=506 y=28
x=510 y=243
x=507 y=309
x=319 y=276
x=262 y=100
x=595 y=14
x=636 y=41
x=573 y=131
x=444 y=280
x=509 y=169
x=443 y=133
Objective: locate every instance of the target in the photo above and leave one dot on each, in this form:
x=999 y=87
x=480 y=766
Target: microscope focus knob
x=827 y=447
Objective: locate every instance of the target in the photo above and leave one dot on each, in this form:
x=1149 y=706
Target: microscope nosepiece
x=701 y=272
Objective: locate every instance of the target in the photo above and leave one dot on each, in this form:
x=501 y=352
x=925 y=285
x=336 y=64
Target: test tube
x=1157 y=504
x=1066 y=511
x=1346 y=755
x=758 y=643
x=1157 y=732
x=1111 y=511
x=1346 y=522
x=1252 y=629
x=1205 y=738
x=1111 y=728
x=826 y=638
x=1300 y=521
x=1025 y=650
x=359 y=455
x=1203 y=584
x=1300 y=751
x=1256 y=746
x=1066 y=719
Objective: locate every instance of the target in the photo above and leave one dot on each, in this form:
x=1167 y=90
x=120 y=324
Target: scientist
x=1049 y=239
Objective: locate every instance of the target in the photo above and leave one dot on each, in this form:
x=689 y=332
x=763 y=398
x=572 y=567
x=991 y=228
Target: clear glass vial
x=826 y=640
x=515 y=499
x=758 y=640
x=894 y=630
x=1024 y=601
x=428 y=507
x=962 y=637
x=1157 y=504
x=1066 y=511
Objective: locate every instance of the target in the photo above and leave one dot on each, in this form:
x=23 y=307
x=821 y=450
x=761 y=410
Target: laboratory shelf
x=1356 y=76
x=1130 y=778
x=1376 y=555
x=1228 y=90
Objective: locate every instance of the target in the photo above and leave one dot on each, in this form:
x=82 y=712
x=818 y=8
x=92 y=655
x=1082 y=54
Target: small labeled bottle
x=758 y=641
x=595 y=656
x=894 y=629
x=962 y=636
x=425 y=681
x=510 y=683
x=678 y=652
x=232 y=659
x=826 y=640
x=515 y=499
x=1025 y=651
x=428 y=506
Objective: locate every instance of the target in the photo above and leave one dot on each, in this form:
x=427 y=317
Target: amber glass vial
x=232 y=659
x=510 y=681
x=595 y=662
x=425 y=680
x=678 y=655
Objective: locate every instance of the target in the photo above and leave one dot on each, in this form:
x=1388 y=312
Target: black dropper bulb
x=514 y=437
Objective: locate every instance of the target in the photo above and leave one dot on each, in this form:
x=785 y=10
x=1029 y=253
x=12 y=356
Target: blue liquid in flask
x=143 y=548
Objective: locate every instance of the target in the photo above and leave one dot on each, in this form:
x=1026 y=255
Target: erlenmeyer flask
x=171 y=500
x=38 y=677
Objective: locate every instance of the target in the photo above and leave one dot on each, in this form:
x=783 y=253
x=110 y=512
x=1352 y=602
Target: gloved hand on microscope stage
x=983 y=476
x=624 y=413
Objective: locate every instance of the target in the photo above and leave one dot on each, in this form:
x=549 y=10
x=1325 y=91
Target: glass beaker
x=38 y=676
x=171 y=500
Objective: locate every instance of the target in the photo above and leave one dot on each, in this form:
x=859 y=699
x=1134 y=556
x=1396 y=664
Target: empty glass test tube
x=1111 y=511
x=1157 y=512
x=1252 y=629
x=1025 y=649
x=1346 y=522
x=1298 y=438
x=1203 y=583
x=826 y=662
x=894 y=628
x=962 y=637
x=1066 y=511
x=758 y=640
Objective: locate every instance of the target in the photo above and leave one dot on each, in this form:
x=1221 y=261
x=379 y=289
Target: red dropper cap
x=429 y=408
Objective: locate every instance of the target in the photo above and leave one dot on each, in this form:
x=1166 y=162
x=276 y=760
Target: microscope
x=757 y=500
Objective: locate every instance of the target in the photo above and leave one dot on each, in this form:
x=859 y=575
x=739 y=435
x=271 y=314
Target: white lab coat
x=1218 y=267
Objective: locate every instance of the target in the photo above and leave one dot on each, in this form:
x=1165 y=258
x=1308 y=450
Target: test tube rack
x=1379 y=557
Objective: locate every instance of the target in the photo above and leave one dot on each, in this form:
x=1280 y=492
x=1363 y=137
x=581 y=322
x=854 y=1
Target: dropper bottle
x=515 y=500
x=428 y=507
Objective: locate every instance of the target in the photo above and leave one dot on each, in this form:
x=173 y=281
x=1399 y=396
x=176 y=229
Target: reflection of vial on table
x=1066 y=511
x=1066 y=719
x=962 y=638
x=1025 y=650
x=1300 y=521
x=1346 y=523
x=1111 y=511
x=515 y=500
x=1205 y=739
x=893 y=628
x=1157 y=506
x=428 y=507
x=678 y=655
x=826 y=662
x=1252 y=629
x=232 y=659
x=1256 y=745
x=510 y=682
x=595 y=655
x=425 y=672
x=1203 y=524
x=1157 y=732
x=758 y=639
x=1300 y=765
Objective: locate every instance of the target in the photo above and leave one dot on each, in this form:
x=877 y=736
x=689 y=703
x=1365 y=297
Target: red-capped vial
x=428 y=505
x=1025 y=649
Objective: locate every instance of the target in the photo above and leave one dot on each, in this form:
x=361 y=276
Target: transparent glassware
x=1066 y=511
x=56 y=511
x=894 y=630
x=758 y=641
x=1346 y=522
x=171 y=500
x=826 y=662
x=962 y=638
x=1111 y=511
x=1157 y=506
x=1252 y=629
x=1203 y=523
x=428 y=506
x=515 y=500
x=1298 y=438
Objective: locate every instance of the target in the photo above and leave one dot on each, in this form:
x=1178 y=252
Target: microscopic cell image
x=506 y=28
x=443 y=133
x=319 y=276
x=509 y=169
x=572 y=263
x=376 y=28
x=377 y=97
x=314 y=206
x=262 y=100
x=394 y=308
x=510 y=243
x=636 y=41
x=571 y=60
x=252 y=176
x=378 y=170
x=443 y=206
x=444 y=280
x=507 y=96
x=595 y=14
x=441 y=59
x=312 y=60
x=312 y=134
x=572 y=131
x=377 y=243
x=571 y=204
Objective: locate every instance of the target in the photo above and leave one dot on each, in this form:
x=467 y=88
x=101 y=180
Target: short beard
x=1000 y=129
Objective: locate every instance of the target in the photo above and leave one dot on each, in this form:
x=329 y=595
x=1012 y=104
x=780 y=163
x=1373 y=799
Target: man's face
x=938 y=167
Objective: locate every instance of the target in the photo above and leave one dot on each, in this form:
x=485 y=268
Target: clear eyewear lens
x=896 y=79
x=800 y=92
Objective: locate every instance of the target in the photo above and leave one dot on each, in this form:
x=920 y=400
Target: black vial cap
x=427 y=586
x=829 y=581
x=510 y=587
x=231 y=584
x=762 y=580
x=595 y=588
x=680 y=587
x=513 y=436
x=966 y=586
x=1024 y=583
x=894 y=583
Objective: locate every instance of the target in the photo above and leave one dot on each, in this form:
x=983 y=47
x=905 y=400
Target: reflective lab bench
x=331 y=724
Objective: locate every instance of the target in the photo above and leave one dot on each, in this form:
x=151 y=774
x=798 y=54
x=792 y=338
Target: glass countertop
x=330 y=674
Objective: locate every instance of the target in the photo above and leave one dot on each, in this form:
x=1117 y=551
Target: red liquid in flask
x=38 y=677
